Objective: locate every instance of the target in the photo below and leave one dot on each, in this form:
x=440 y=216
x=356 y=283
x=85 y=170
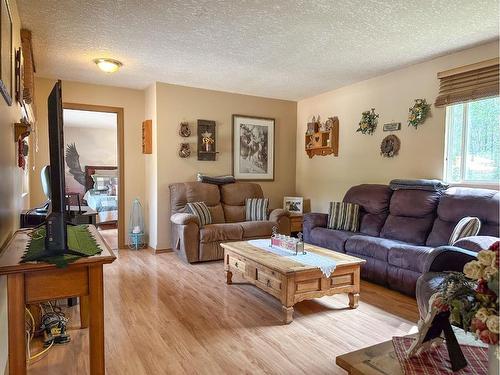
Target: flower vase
x=493 y=361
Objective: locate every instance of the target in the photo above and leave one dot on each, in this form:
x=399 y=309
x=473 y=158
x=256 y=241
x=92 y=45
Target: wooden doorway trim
x=121 y=159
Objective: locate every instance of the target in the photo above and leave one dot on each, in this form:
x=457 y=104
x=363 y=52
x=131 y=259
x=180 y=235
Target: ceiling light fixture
x=108 y=65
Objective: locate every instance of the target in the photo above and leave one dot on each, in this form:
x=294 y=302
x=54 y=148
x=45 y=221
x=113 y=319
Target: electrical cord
x=52 y=320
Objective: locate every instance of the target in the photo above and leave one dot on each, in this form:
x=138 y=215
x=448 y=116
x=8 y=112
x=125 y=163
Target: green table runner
x=79 y=240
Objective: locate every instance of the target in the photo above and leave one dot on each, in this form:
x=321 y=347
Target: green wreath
x=368 y=122
x=418 y=113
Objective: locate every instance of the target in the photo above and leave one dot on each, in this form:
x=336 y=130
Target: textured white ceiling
x=283 y=48
x=73 y=118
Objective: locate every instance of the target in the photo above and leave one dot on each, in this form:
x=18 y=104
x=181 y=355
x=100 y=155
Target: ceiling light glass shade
x=108 y=65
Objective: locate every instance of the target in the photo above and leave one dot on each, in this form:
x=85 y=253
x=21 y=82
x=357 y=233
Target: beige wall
x=323 y=179
x=11 y=200
x=151 y=171
x=175 y=104
x=132 y=101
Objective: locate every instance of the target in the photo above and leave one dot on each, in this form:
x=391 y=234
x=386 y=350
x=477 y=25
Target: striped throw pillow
x=201 y=210
x=466 y=227
x=256 y=209
x=343 y=216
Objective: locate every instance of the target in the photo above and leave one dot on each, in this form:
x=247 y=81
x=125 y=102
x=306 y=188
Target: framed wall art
x=6 y=51
x=253 y=148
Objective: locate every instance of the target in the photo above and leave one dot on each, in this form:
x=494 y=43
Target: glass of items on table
x=295 y=245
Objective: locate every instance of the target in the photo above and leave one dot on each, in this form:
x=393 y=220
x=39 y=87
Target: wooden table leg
x=17 y=334
x=84 y=312
x=96 y=320
x=353 y=300
x=229 y=277
x=287 y=314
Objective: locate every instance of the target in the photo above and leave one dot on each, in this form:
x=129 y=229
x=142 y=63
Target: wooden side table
x=37 y=282
x=296 y=222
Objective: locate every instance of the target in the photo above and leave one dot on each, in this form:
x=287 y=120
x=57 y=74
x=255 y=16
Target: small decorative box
x=286 y=242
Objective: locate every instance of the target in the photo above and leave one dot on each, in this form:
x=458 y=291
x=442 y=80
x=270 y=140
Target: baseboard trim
x=159 y=251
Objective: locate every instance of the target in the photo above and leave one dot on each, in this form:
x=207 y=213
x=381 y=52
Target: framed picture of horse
x=253 y=148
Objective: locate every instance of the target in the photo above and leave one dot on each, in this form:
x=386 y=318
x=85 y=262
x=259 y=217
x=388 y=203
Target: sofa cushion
x=256 y=209
x=411 y=215
x=409 y=257
x=217 y=214
x=221 y=232
x=252 y=229
x=373 y=247
x=233 y=198
x=343 y=216
x=235 y=194
x=234 y=214
x=457 y=203
x=373 y=200
x=201 y=211
x=329 y=238
x=184 y=192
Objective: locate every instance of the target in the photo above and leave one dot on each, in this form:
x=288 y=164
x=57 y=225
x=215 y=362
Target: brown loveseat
x=227 y=208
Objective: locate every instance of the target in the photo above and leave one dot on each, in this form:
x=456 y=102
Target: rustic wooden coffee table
x=288 y=280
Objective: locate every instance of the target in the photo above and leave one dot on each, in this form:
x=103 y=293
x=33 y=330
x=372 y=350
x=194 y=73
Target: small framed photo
x=294 y=205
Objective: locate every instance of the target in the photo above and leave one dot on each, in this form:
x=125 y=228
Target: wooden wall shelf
x=323 y=142
x=147 y=137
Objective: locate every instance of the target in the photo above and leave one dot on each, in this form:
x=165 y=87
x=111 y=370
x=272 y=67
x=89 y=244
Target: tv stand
x=36 y=282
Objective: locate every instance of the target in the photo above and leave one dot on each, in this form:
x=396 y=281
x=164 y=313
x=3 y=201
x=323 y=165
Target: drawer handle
x=236 y=264
x=268 y=283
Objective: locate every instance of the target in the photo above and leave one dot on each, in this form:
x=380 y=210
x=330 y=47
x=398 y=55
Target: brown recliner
x=227 y=207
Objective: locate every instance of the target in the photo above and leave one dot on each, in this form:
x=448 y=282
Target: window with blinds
x=468 y=83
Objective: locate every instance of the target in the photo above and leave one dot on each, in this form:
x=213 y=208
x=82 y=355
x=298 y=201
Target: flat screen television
x=56 y=232
x=56 y=240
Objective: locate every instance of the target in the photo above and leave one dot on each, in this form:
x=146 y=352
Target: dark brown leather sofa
x=400 y=230
x=227 y=208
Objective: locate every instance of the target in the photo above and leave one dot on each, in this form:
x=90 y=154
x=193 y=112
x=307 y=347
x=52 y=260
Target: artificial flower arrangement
x=418 y=113
x=207 y=140
x=472 y=297
x=368 y=122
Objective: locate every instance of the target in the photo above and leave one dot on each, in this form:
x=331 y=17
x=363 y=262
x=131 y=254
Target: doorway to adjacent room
x=93 y=139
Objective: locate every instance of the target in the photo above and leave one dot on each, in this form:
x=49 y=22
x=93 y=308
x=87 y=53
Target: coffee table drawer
x=267 y=278
x=237 y=263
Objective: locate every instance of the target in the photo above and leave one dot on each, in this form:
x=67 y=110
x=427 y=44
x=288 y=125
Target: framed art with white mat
x=253 y=148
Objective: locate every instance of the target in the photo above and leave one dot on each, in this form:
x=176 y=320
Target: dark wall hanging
x=184 y=151
x=206 y=140
x=390 y=146
x=184 y=130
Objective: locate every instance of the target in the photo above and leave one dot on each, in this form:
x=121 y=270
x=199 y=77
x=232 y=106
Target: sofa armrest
x=476 y=243
x=448 y=258
x=184 y=219
x=277 y=214
x=311 y=221
x=282 y=218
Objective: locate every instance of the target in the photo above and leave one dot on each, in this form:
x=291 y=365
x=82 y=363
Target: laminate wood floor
x=164 y=316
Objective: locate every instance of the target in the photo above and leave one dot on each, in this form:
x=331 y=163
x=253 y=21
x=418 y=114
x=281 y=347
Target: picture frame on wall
x=253 y=148
x=6 y=51
x=294 y=205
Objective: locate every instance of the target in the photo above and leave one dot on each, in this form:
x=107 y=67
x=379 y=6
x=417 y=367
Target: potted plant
x=472 y=298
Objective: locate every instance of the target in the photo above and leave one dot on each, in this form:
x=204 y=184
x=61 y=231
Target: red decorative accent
x=436 y=361
x=21 y=160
